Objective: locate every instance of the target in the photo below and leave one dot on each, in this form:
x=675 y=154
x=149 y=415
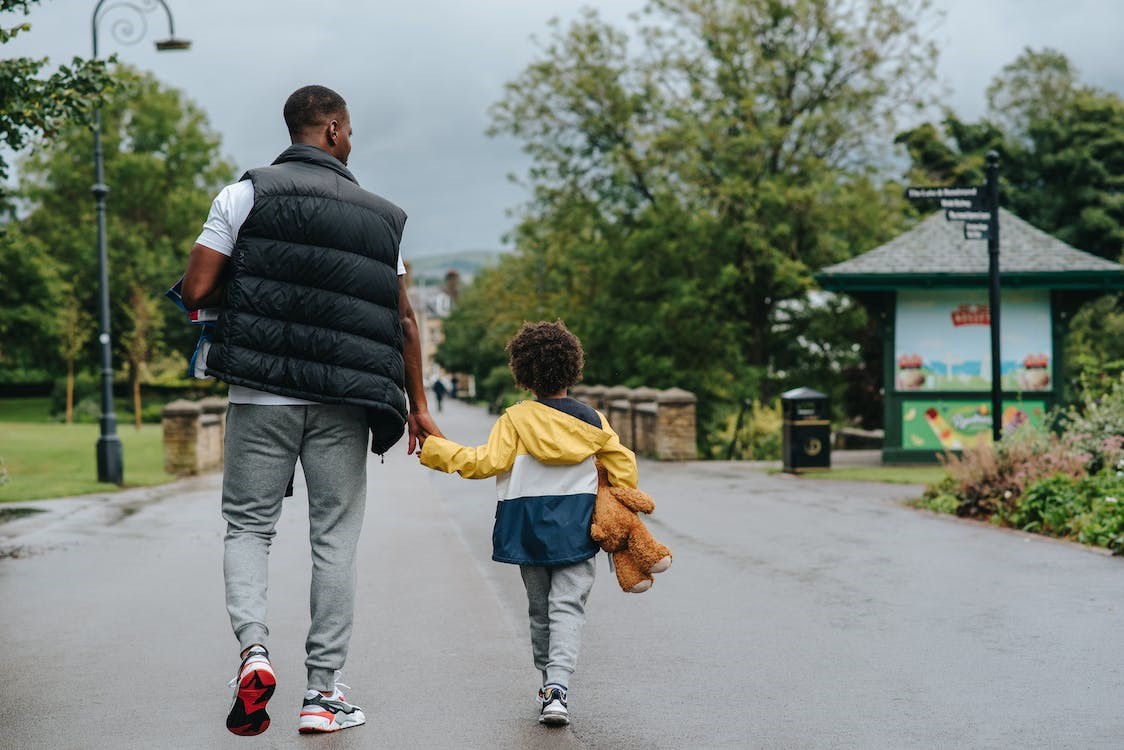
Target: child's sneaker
x=554 y=711
x=253 y=687
x=322 y=713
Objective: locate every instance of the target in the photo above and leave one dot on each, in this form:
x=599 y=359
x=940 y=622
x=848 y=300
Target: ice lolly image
x=942 y=429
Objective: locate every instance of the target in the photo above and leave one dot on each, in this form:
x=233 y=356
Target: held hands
x=421 y=426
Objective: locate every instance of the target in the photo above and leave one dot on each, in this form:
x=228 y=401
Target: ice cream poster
x=955 y=425
x=942 y=341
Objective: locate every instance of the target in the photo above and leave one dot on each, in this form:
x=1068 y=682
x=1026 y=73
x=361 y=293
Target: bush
x=87 y=385
x=1096 y=426
x=753 y=432
x=990 y=478
x=941 y=497
x=1086 y=509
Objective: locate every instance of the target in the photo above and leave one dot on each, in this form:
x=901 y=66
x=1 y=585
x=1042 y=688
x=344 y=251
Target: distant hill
x=430 y=268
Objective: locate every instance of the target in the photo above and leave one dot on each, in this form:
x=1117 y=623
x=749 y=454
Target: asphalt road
x=799 y=613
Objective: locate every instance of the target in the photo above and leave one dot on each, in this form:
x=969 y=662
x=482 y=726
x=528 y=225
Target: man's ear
x=333 y=131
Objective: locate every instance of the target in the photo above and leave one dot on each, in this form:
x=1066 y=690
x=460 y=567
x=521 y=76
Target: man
x=318 y=341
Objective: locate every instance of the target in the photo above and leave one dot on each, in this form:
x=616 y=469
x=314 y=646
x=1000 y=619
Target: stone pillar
x=675 y=434
x=595 y=397
x=619 y=411
x=180 y=423
x=213 y=428
x=580 y=392
x=643 y=407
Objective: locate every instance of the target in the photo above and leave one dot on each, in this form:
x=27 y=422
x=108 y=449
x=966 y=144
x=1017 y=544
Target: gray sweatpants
x=263 y=444
x=556 y=597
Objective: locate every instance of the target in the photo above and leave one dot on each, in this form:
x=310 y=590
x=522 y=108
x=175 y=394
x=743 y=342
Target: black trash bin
x=806 y=430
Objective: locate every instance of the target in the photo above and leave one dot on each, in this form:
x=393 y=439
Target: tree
x=687 y=182
x=163 y=166
x=74 y=327
x=1062 y=150
x=145 y=314
x=32 y=105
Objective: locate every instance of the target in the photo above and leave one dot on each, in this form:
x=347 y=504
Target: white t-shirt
x=228 y=212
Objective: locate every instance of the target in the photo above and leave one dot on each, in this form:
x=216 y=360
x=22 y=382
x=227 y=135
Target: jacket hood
x=555 y=437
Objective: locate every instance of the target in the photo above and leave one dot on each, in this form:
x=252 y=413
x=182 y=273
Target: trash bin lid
x=802 y=393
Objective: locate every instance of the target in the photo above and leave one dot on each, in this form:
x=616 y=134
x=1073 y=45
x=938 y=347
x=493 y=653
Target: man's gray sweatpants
x=262 y=447
x=556 y=597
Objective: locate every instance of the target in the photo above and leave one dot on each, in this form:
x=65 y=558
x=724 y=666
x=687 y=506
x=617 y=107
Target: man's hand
x=421 y=426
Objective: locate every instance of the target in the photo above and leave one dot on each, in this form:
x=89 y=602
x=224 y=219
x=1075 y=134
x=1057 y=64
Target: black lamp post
x=127 y=30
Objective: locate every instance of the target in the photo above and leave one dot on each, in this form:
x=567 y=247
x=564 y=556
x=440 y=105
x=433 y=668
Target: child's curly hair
x=545 y=358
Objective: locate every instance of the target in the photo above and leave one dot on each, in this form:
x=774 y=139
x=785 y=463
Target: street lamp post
x=128 y=30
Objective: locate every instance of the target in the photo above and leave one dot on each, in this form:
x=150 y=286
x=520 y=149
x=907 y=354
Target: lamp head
x=172 y=44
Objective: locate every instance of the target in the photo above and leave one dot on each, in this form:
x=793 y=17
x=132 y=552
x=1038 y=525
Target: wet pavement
x=799 y=613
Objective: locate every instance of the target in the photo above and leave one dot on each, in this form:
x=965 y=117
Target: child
x=542 y=455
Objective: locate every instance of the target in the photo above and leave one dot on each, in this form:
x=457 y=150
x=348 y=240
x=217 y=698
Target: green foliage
x=1070 y=487
x=32 y=104
x=1096 y=426
x=1086 y=509
x=163 y=166
x=990 y=477
x=941 y=496
x=87 y=388
x=752 y=432
x=1061 y=147
x=686 y=181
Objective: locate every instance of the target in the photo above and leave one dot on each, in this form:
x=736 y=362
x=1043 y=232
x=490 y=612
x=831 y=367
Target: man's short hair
x=310 y=106
x=546 y=358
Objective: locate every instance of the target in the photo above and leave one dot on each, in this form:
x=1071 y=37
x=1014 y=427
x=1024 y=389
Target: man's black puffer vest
x=311 y=306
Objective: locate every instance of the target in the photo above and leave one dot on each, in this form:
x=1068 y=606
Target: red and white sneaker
x=322 y=713
x=253 y=687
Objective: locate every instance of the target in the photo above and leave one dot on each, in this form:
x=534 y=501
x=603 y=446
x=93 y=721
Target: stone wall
x=654 y=423
x=194 y=436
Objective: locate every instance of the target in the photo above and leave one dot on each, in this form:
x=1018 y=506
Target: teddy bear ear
x=636 y=500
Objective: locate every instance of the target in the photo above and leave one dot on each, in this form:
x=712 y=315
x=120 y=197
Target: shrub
x=1096 y=426
x=87 y=385
x=990 y=478
x=941 y=497
x=1088 y=509
x=753 y=432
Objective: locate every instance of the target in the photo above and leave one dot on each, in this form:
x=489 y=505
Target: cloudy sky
x=419 y=77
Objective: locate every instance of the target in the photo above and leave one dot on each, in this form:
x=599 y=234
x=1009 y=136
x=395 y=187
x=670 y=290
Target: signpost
x=978 y=208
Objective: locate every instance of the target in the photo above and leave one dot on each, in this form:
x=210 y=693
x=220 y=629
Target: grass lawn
x=887 y=474
x=25 y=409
x=45 y=460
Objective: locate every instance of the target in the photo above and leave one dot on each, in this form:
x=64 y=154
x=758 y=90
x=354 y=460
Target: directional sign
x=954 y=215
x=962 y=203
x=976 y=226
x=975 y=234
x=930 y=193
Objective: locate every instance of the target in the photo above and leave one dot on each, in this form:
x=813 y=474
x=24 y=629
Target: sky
x=420 y=76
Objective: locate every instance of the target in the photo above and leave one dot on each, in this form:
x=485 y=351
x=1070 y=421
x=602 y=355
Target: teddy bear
x=618 y=529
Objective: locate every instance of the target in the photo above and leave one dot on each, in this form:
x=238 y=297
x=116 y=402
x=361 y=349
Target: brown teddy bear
x=618 y=529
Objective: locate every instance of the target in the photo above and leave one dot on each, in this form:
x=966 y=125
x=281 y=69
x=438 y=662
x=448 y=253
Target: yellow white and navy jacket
x=541 y=453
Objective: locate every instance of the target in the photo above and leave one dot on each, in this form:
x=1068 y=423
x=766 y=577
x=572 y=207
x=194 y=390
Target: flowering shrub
x=1070 y=486
x=1096 y=426
x=989 y=478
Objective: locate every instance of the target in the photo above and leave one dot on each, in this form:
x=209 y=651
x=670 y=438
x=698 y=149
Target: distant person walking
x=439 y=391
x=542 y=455
x=320 y=346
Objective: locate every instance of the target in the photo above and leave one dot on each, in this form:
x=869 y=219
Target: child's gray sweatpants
x=262 y=447
x=556 y=597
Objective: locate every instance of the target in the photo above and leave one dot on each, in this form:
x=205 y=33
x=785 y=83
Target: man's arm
x=420 y=423
x=204 y=279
